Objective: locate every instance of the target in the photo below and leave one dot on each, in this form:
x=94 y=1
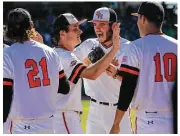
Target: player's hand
x=115 y=129
x=38 y=37
x=115 y=37
x=86 y=61
x=115 y=62
x=111 y=70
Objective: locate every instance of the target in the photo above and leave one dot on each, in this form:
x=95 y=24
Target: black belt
x=78 y=112
x=104 y=103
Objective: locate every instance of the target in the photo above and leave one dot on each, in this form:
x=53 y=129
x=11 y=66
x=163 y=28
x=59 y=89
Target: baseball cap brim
x=134 y=14
x=82 y=21
x=91 y=21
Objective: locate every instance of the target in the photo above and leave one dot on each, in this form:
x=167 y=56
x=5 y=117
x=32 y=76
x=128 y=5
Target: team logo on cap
x=99 y=15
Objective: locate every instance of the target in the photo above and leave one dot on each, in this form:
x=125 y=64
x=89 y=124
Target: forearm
x=118 y=117
x=95 y=70
x=127 y=89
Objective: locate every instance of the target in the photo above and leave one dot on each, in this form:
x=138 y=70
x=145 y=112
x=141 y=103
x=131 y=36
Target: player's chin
x=101 y=39
x=78 y=41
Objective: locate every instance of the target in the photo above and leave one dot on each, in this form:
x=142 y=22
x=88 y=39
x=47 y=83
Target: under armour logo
x=99 y=15
x=27 y=127
x=150 y=122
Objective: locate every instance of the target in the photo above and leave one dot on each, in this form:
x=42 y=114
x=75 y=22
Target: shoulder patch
x=124 y=59
x=73 y=63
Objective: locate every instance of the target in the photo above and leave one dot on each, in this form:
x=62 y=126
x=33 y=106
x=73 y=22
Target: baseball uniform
x=5 y=46
x=34 y=72
x=67 y=116
x=104 y=92
x=153 y=59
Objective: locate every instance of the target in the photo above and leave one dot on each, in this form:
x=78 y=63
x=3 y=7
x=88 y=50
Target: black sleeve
x=75 y=75
x=129 y=81
x=64 y=87
x=7 y=98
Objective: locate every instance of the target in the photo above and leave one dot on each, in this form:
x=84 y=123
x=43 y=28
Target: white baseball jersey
x=155 y=56
x=104 y=88
x=33 y=70
x=5 y=46
x=72 y=68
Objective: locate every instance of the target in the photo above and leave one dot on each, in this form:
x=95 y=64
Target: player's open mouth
x=100 y=35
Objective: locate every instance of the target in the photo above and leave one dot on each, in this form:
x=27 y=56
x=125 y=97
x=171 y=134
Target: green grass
x=85 y=104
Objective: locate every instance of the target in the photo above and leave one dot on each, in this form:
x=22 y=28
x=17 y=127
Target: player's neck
x=107 y=44
x=64 y=47
x=154 y=32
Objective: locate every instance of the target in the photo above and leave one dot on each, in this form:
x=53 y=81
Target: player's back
x=157 y=55
x=33 y=67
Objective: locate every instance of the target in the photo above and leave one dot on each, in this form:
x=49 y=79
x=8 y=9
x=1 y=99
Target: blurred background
x=44 y=13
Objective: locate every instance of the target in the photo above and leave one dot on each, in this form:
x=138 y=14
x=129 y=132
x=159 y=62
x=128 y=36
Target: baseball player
x=104 y=91
x=4 y=31
x=30 y=83
x=148 y=73
x=66 y=37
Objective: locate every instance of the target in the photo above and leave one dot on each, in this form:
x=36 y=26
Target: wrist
x=115 y=75
x=116 y=124
x=115 y=47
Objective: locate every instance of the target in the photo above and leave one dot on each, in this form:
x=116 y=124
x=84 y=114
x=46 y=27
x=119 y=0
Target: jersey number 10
x=169 y=63
x=33 y=80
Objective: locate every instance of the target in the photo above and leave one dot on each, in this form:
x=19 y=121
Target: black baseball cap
x=19 y=18
x=64 y=20
x=153 y=11
x=104 y=14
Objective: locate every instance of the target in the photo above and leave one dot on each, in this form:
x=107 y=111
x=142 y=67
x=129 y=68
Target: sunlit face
x=102 y=30
x=72 y=37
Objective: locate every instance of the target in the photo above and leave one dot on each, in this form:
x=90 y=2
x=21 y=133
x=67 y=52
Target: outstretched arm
x=130 y=76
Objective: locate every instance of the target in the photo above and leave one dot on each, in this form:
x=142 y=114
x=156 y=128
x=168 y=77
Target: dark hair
x=18 y=27
x=56 y=34
x=156 y=23
x=153 y=11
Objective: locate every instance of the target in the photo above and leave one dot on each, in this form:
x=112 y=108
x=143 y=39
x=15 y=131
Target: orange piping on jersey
x=65 y=123
x=76 y=72
x=7 y=83
x=129 y=71
x=11 y=125
x=62 y=75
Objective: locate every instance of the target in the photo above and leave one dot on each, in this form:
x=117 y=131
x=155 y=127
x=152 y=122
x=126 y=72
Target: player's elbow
x=64 y=90
x=64 y=86
x=93 y=77
x=88 y=74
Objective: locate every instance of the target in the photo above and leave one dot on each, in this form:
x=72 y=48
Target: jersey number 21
x=33 y=79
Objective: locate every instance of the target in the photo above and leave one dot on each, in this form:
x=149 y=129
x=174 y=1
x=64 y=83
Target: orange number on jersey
x=169 y=62
x=43 y=64
x=36 y=81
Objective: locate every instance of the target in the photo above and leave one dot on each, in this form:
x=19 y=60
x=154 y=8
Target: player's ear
x=144 y=19
x=62 y=33
x=31 y=25
x=113 y=25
